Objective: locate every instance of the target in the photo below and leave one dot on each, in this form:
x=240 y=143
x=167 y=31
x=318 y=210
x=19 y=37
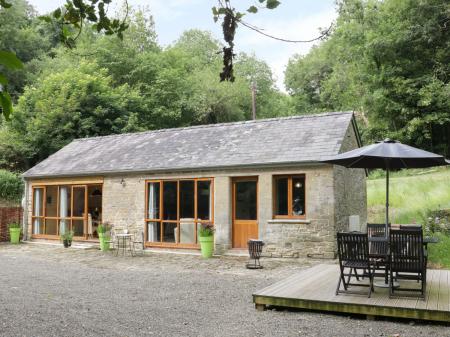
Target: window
x=289 y=196
x=175 y=209
x=60 y=208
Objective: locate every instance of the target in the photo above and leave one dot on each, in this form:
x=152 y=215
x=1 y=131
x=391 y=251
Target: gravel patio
x=51 y=291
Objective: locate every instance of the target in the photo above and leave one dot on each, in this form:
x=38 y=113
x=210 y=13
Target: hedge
x=11 y=186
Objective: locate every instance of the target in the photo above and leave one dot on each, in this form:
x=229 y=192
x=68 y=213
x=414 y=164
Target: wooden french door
x=245 y=210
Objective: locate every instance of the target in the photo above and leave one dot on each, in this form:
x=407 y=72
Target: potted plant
x=14 y=232
x=67 y=238
x=104 y=236
x=206 y=239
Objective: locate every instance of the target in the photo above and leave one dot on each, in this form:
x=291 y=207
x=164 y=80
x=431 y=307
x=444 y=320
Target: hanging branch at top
x=231 y=18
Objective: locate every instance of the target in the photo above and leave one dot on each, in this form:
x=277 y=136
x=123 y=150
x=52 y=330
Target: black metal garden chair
x=353 y=252
x=408 y=259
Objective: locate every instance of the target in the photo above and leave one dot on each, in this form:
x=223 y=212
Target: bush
x=11 y=186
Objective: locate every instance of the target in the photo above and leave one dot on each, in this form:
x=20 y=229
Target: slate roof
x=275 y=141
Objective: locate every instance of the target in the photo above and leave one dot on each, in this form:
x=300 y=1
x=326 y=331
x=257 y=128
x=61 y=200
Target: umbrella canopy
x=388 y=154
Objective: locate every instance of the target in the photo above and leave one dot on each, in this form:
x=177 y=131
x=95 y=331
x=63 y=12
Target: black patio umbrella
x=388 y=155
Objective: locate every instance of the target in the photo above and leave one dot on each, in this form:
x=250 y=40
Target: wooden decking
x=314 y=289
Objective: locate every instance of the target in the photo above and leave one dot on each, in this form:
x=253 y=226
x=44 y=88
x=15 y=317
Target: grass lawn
x=412 y=194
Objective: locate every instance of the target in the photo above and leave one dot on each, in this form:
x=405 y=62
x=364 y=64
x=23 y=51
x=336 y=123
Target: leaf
x=271 y=4
x=3 y=80
x=6 y=104
x=252 y=9
x=5 y=4
x=10 y=60
x=57 y=13
x=45 y=18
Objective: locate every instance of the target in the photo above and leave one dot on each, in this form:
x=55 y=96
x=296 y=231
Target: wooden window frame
x=289 y=197
x=58 y=218
x=161 y=220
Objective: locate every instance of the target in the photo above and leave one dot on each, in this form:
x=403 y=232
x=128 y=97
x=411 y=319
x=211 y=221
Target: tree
x=75 y=103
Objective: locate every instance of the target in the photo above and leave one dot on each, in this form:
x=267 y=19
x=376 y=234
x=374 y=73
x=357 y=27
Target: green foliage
x=410 y=197
x=103 y=228
x=11 y=186
x=387 y=60
x=14 y=225
x=206 y=229
x=67 y=236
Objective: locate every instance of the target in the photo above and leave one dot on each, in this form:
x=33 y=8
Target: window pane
x=153 y=232
x=51 y=206
x=64 y=226
x=38 y=226
x=246 y=200
x=169 y=232
x=298 y=195
x=187 y=231
x=170 y=200
x=78 y=201
x=281 y=196
x=78 y=227
x=204 y=203
x=187 y=199
x=51 y=226
x=37 y=202
x=153 y=200
x=95 y=203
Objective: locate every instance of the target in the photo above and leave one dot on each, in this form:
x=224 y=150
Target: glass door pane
x=51 y=201
x=78 y=227
x=170 y=200
x=298 y=195
x=51 y=226
x=79 y=201
x=246 y=200
x=153 y=200
x=65 y=202
x=187 y=202
x=153 y=231
x=38 y=211
x=204 y=202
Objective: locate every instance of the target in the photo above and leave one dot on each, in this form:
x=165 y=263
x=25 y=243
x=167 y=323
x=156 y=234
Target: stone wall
x=313 y=236
x=9 y=215
x=350 y=188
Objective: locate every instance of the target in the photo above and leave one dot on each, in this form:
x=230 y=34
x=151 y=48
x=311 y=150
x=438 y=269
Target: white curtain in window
x=37 y=210
x=151 y=202
x=63 y=199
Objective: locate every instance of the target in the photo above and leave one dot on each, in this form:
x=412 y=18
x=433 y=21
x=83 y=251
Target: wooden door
x=245 y=211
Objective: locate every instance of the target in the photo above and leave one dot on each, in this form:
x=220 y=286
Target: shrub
x=104 y=228
x=14 y=225
x=11 y=186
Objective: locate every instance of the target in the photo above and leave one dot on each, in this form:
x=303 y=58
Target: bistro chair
x=408 y=259
x=353 y=252
x=138 y=241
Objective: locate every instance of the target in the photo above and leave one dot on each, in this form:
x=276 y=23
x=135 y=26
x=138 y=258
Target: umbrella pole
x=387 y=199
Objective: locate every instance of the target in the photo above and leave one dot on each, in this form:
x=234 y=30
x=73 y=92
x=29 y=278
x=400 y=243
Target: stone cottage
x=258 y=179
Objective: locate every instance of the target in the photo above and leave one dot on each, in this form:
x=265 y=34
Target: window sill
x=292 y=221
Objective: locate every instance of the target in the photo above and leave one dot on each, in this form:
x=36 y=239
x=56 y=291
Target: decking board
x=314 y=289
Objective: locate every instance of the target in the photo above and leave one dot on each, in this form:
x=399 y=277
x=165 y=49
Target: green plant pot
x=14 y=235
x=206 y=245
x=104 y=244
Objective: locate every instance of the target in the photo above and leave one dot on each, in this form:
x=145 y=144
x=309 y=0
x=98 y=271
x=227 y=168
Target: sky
x=293 y=19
